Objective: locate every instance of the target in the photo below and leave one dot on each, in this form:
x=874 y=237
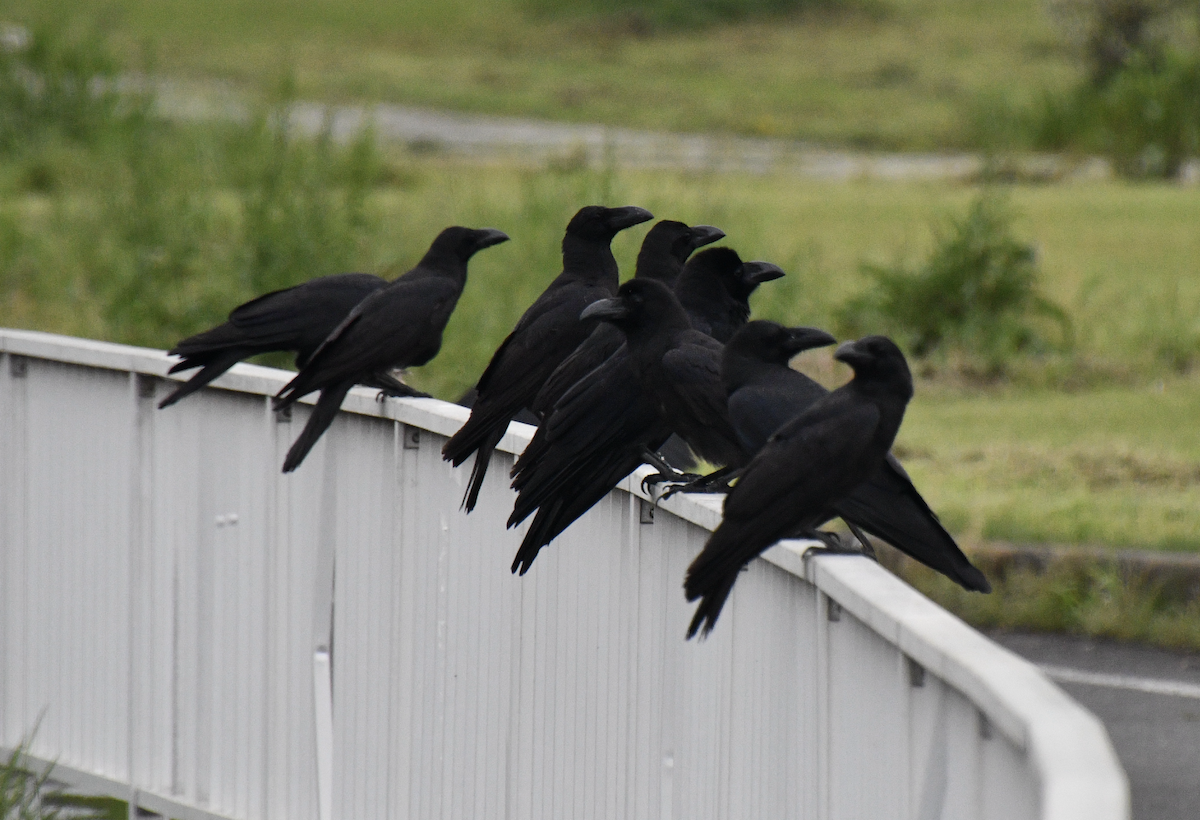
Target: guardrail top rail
x=208 y=638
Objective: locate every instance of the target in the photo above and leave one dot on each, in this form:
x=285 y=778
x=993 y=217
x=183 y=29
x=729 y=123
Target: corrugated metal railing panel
x=159 y=594
x=174 y=604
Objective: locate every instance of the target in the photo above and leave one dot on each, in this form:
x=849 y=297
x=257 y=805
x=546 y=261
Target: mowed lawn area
x=908 y=74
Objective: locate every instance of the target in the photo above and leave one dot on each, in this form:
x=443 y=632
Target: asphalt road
x=1148 y=699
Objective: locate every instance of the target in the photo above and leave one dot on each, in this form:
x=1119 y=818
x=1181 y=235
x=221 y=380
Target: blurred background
x=1008 y=187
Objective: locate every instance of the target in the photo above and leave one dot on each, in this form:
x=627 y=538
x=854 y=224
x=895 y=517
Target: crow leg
x=833 y=544
x=715 y=482
x=389 y=385
x=665 y=471
x=867 y=549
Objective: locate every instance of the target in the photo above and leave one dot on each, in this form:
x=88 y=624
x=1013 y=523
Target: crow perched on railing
x=545 y=335
x=296 y=319
x=808 y=465
x=395 y=327
x=765 y=393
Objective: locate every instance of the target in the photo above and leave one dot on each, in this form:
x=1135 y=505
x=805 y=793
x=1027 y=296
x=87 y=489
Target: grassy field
x=1109 y=465
x=872 y=73
x=1098 y=445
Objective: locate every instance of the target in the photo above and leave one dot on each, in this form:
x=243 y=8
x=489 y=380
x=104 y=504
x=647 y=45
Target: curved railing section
x=206 y=637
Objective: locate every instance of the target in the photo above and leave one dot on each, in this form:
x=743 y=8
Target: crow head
x=877 y=360
x=773 y=343
x=596 y=222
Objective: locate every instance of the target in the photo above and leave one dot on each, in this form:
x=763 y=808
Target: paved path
x=1149 y=700
x=596 y=145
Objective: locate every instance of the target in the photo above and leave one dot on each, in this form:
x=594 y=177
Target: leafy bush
x=1147 y=118
x=1140 y=103
x=975 y=294
x=1111 y=34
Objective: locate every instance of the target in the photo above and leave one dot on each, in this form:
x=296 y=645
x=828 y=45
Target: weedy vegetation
x=1138 y=100
x=27 y=792
x=976 y=295
x=1076 y=594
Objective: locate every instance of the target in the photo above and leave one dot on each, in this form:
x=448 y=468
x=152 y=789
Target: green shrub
x=1147 y=118
x=1111 y=34
x=976 y=294
x=1139 y=105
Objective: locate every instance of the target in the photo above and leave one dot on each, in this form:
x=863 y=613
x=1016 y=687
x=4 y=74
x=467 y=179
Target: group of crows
x=610 y=373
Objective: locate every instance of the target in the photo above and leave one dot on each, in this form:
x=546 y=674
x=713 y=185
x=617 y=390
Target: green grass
x=878 y=73
x=1075 y=594
x=1114 y=459
x=1115 y=465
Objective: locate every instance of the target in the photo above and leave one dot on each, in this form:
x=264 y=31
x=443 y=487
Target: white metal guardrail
x=207 y=637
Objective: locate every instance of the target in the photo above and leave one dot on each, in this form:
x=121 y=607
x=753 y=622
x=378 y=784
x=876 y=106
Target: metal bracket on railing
x=136 y=811
x=985 y=727
x=18 y=366
x=916 y=673
x=833 y=610
x=646 y=509
x=412 y=437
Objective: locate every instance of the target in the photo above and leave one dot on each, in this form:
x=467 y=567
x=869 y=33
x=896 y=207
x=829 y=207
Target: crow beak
x=851 y=354
x=606 y=310
x=806 y=338
x=705 y=235
x=756 y=273
x=621 y=218
x=490 y=236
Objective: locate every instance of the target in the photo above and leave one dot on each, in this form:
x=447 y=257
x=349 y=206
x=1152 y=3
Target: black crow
x=296 y=319
x=545 y=335
x=715 y=287
x=605 y=425
x=764 y=393
x=677 y=366
x=395 y=327
x=806 y=466
x=664 y=250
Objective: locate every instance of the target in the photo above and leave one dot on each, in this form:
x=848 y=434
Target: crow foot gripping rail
x=208 y=638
